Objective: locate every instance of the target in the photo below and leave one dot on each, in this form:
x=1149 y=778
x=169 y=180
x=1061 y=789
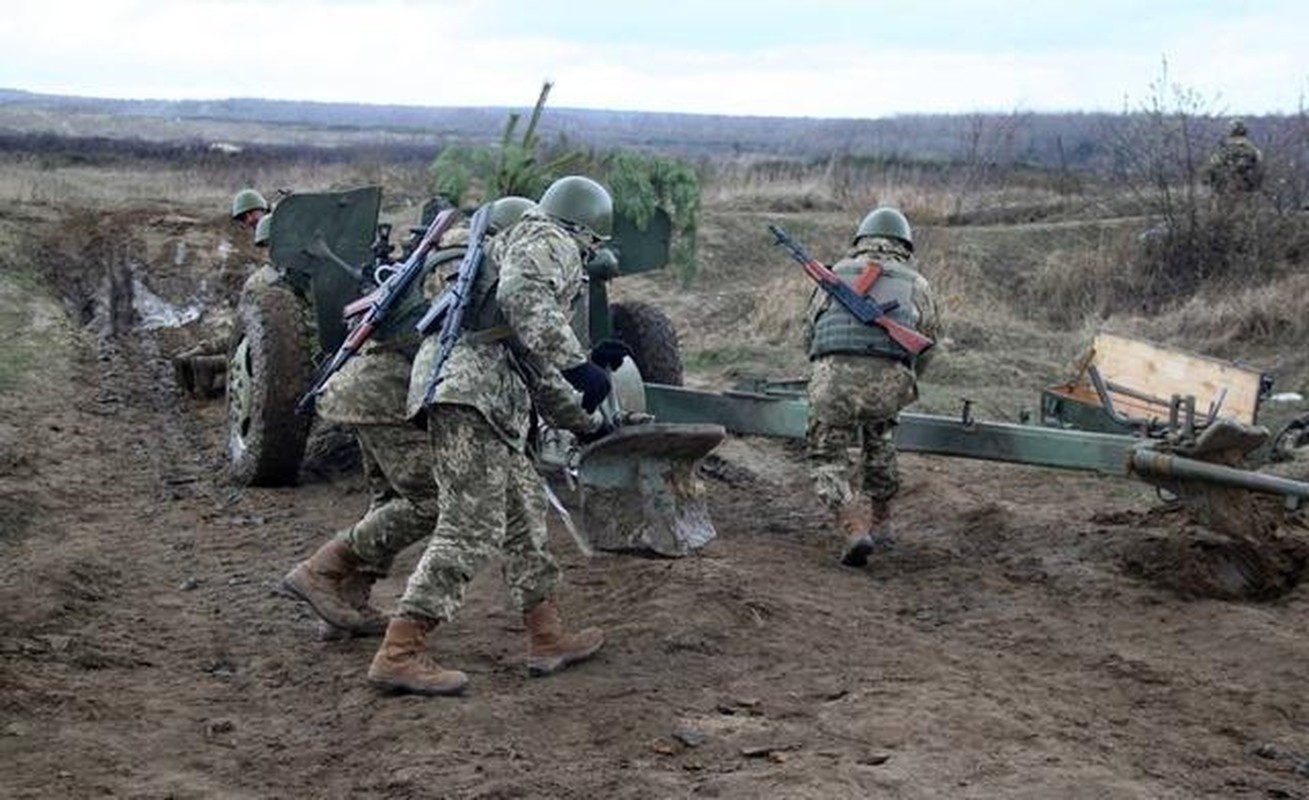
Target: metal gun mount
x=1173 y=463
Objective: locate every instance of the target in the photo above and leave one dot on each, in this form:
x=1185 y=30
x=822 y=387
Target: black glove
x=591 y=381
x=596 y=435
x=610 y=354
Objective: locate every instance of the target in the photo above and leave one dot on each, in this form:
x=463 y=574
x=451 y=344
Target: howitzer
x=375 y=307
x=448 y=310
x=854 y=299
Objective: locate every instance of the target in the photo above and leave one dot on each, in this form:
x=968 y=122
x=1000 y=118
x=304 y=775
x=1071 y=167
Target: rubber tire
x=268 y=369
x=650 y=335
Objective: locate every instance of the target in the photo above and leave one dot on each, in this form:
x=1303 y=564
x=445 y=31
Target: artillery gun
x=638 y=489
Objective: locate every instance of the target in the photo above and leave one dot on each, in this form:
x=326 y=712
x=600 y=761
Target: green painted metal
x=1153 y=465
x=312 y=235
x=757 y=414
x=641 y=249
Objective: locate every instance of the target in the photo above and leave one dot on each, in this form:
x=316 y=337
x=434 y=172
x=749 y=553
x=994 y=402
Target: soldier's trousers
x=403 y=504
x=492 y=503
x=853 y=403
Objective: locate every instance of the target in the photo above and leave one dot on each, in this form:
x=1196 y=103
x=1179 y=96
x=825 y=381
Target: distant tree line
x=58 y=149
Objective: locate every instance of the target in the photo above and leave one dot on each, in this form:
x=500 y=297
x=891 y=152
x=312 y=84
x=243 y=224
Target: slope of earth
x=1019 y=640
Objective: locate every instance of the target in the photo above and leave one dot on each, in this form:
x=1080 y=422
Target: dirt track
x=1017 y=642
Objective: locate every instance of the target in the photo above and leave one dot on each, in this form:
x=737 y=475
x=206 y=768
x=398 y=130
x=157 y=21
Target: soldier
x=248 y=207
x=201 y=369
x=861 y=380
x=370 y=393
x=1236 y=167
x=517 y=350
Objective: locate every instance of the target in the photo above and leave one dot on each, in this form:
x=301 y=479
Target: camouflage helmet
x=579 y=201
x=887 y=222
x=506 y=211
x=248 y=200
x=263 y=230
x=1236 y=128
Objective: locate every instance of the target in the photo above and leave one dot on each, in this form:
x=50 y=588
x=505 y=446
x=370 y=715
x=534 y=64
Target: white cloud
x=447 y=53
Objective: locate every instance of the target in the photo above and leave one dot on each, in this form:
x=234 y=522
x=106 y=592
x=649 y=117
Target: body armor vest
x=838 y=331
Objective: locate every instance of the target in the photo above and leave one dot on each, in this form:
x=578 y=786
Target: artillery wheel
x=269 y=367
x=653 y=341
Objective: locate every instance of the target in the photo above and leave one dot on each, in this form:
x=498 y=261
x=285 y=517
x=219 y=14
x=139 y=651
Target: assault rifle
x=449 y=309
x=867 y=311
x=373 y=308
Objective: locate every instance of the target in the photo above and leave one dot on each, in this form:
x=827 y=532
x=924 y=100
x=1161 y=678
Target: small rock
x=726 y=708
x=1269 y=751
x=663 y=748
x=777 y=758
x=15 y=729
x=219 y=727
x=690 y=738
x=188 y=585
x=1302 y=769
x=875 y=759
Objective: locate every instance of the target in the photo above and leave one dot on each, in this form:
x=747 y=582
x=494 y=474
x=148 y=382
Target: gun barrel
x=1151 y=463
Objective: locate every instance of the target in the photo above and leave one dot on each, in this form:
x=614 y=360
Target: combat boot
x=550 y=648
x=401 y=665
x=855 y=518
x=327 y=582
x=357 y=589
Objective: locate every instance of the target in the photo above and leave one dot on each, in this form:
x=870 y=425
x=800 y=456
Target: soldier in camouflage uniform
x=370 y=393
x=861 y=380
x=517 y=353
x=1236 y=168
x=201 y=369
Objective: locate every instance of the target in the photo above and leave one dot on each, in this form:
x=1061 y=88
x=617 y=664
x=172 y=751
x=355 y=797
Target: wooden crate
x=1143 y=376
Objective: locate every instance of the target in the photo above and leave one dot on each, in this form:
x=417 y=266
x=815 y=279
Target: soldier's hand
x=592 y=381
x=610 y=354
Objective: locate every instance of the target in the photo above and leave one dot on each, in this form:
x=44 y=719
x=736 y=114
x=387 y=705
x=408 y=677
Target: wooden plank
x=1152 y=369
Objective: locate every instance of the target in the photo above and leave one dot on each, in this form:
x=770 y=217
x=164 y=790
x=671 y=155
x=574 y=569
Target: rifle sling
x=497 y=333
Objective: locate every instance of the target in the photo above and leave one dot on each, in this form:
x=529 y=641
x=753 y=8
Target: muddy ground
x=1031 y=634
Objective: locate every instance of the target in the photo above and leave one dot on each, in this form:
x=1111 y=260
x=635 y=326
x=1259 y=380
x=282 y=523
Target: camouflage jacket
x=372 y=388
x=540 y=276
x=1237 y=166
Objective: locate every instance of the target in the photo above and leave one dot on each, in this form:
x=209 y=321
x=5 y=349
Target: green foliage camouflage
x=639 y=183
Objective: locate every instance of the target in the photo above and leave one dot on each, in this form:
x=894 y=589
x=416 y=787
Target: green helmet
x=888 y=222
x=577 y=200
x=506 y=211
x=263 y=230
x=248 y=200
x=1237 y=128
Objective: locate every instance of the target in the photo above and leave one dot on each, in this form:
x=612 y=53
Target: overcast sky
x=823 y=58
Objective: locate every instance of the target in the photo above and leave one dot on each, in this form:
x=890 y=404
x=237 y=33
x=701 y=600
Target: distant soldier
x=248 y=207
x=1236 y=167
x=861 y=380
x=370 y=393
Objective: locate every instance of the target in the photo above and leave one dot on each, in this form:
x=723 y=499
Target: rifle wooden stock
x=865 y=310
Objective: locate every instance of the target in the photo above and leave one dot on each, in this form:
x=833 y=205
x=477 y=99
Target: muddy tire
x=268 y=369
x=653 y=341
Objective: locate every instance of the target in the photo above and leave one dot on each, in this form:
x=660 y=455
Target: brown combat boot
x=328 y=581
x=855 y=518
x=357 y=588
x=551 y=649
x=401 y=665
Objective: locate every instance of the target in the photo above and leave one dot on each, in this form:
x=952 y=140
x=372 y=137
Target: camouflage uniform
x=1237 y=166
x=369 y=393
x=854 y=399
x=491 y=498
